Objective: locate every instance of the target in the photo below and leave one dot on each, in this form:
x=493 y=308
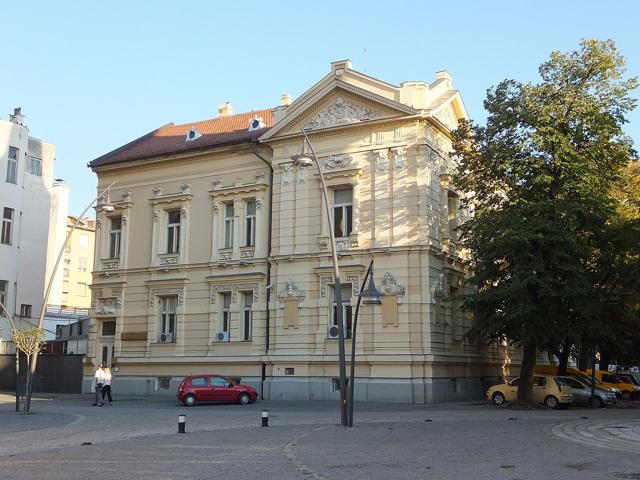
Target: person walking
x=99 y=378
x=106 y=386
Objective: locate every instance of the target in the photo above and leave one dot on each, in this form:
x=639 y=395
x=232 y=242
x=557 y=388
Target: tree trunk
x=584 y=359
x=605 y=359
x=525 y=390
x=563 y=357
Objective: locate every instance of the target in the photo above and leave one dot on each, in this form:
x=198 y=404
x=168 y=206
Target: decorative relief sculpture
x=301 y=174
x=169 y=260
x=217 y=183
x=390 y=286
x=124 y=219
x=290 y=289
x=259 y=202
x=342 y=245
x=164 y=292
x=225 y=255
x=106 y=306
x=324 y=282
x=339 y=161
x=110 y=265
x=381 y=160
x=156 y=215
x=399 y=158
x=183 y=212
x=216 y=208
x=286 y=174
x=342 y=113
x=260 y=177
x=247 y=253
x=438 y=288
x=186 y=187
x=157 y=191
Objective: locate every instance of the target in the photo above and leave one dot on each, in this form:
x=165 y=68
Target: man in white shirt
x=99 y=378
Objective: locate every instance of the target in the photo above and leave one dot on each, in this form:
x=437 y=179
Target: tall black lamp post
x=370 y=296
x=304 y=159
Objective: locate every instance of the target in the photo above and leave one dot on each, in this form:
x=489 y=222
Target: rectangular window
x=168 y=307
x=225 y=313
x=164 y=383
x=84 y=241
x=80 y=328
x=173 y=232
x=25 y=310
x=7 y=226
x=35 y=166
x=81 y=290
x=12 y=165
x=115 y=234
x=345 y=292
x=342 y=212
x=247 y=315
x=82 y=264
x=250 y=226
x=228 y=225
x=4 y=287
x=108 y=328
x=66 y=273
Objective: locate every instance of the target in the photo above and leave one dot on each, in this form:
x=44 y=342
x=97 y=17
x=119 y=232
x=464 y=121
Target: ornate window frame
x=122 y=209
x=162 y=205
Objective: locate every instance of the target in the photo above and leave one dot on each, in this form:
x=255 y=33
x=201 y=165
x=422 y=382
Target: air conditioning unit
x=167 y=338
x=332 y=331
x=222 y=337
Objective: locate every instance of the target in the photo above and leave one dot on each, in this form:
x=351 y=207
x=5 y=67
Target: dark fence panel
x=55 y=373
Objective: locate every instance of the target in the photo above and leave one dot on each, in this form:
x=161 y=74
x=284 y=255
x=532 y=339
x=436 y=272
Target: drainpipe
x=254 y=148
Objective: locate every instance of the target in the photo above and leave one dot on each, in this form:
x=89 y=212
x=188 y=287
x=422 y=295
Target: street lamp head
x=302 y=159
x=371 y=296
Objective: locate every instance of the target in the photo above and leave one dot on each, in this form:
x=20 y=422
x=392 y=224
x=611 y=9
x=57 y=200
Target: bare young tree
x=30 y=342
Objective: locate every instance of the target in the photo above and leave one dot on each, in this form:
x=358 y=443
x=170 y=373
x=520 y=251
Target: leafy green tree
x=539 y=176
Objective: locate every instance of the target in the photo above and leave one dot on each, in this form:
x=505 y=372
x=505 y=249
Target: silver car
x=582 y=394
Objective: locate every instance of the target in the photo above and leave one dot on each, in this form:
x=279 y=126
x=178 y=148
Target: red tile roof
x=170 y=138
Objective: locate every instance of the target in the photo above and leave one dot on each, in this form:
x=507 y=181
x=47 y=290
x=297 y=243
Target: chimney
x=285 y=100
x=225 y=110
x=17 y=116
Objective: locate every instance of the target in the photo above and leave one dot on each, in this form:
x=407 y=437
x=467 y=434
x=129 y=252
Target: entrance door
x=106 y=353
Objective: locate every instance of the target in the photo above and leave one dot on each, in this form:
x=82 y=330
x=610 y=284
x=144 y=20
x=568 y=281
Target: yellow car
x=547 y=389
x=611 y=380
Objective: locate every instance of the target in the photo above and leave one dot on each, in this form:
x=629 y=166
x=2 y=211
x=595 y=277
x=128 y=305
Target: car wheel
x=551 y=402
x=626 y=396
x=244 y=398
x=190 y=400
x=498 y=398
x=596 y=402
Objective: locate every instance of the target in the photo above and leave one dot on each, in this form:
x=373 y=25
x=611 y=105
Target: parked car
x=581 y=392
x=214 y=388
x=579 y=375
x=609 y=379
x=547 y=389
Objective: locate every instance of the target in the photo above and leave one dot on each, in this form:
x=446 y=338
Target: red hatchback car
x=214 y=388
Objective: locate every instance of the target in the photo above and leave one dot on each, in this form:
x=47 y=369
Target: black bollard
x=182 y=419
x=265 y=418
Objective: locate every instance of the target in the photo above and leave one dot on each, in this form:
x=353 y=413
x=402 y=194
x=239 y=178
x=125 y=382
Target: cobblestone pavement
x=67 y=438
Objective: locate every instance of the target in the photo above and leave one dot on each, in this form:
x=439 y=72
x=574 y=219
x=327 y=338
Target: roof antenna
x=365 y=60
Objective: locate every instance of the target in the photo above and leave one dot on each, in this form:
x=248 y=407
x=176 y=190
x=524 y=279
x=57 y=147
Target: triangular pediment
x=337 y=105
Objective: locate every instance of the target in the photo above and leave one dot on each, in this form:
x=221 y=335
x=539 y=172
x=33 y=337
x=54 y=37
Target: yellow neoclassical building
x=216 y=257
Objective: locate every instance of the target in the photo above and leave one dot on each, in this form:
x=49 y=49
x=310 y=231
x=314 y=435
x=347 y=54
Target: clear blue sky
x=91 y=76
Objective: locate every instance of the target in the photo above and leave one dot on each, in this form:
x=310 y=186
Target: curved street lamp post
x=34 y=358
x=304 y=159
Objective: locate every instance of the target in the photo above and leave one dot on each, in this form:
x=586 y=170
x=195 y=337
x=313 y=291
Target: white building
x=26 y=175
